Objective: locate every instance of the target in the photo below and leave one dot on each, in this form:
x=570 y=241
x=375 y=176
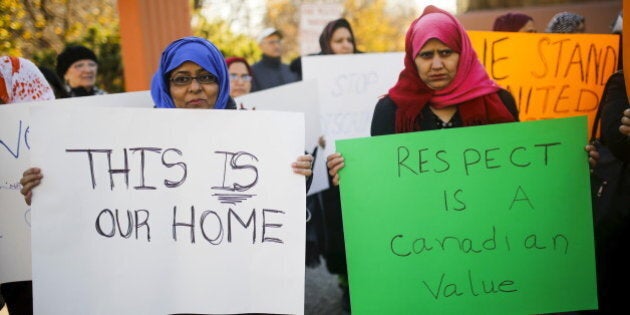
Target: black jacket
x=271 y=72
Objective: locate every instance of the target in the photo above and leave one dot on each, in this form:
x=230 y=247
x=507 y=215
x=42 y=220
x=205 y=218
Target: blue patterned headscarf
x=199 y=51
x=565 y=22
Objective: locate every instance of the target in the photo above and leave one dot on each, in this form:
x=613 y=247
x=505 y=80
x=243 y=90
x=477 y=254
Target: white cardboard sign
x=15 y=146
x=349 y=87
x=165 y=211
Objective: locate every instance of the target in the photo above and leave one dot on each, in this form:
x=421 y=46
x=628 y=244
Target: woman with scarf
x=240 y=76
x=20 y=81
x=325 y=230
x=78 y=67
x=192 y=74
x=514 y=22
x=336 y=38
x=566 y=22
x=442 y=85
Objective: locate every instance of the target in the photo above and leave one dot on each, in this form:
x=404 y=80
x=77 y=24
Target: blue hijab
x=199 y=51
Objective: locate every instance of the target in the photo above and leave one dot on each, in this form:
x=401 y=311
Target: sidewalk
x=322 y=294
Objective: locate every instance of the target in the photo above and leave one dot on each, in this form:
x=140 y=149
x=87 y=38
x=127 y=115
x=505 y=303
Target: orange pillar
x=146 y=27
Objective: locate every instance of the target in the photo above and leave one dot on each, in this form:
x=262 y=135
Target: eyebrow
x=434 y=50
x=189 y=72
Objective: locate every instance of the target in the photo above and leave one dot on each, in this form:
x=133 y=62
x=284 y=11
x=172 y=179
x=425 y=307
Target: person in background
x=617 y=28
x=78 y=67
x=612 y=214
x=514 y=22
x=566 y=22
x=337 y=38
x=325 y=233
x=20 y=81
x=270 y=71
x=240 y=76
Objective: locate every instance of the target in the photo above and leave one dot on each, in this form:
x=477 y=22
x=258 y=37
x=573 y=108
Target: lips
x=438 y=77
x=196 y=102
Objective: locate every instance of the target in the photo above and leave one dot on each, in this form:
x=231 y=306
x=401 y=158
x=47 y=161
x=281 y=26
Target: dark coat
x=271 y=72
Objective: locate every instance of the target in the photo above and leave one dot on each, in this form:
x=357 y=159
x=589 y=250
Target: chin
x=238 y=93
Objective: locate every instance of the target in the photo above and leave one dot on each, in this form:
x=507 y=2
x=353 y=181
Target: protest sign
x=549 y=75
x=349 y=87
x=15 y=215
x=313 y=19
x=295 y=97
x=167 y=211
x=480 y=220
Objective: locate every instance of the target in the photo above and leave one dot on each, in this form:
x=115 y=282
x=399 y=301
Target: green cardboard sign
x=480 y=220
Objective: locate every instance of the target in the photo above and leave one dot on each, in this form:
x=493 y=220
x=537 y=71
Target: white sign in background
x=300 y=97
x=349 y=87
x=192 y=211
x=313 y=19
x=15 y=145
x=15 y=217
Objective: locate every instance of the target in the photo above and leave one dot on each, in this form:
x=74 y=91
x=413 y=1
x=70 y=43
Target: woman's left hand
x=303 y=165
x=593 y=155
x=625 y=123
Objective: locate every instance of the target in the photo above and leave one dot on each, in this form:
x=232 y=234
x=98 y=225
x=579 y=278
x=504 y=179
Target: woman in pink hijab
x=442 y=85
x=21 y=81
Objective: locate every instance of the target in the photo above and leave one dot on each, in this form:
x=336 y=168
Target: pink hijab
x=471 y=90
x=21 y=81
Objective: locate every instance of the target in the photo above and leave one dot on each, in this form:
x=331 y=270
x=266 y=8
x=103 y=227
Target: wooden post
x=146 y=28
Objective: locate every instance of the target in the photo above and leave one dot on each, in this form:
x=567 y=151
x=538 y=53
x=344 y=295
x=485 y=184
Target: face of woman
x=436 y=64
x=240 y=80
x=82 y=73
x=528 y=27
x=341 y=41
x=191 y=86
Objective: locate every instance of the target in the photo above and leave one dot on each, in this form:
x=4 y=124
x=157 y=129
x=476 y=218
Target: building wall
x=473 y=5
x=599 y=15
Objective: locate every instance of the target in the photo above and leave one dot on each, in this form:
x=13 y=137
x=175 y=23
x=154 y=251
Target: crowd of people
x=442 y=85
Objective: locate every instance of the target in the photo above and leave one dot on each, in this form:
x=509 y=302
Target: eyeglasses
x=184 y=80
x=242 y=77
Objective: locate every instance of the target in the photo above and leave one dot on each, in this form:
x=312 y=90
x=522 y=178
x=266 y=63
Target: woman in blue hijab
x=192 y=74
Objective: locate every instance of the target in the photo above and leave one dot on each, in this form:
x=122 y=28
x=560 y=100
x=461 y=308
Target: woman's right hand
x=334 y=162
x=30 y=179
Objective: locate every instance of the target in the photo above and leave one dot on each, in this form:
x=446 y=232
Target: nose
x=436 y=62
x=194 y=86
x=90 y=68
